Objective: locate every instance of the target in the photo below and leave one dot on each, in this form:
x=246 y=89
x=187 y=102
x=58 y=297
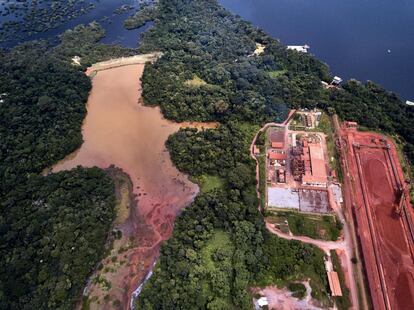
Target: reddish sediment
x=120 y=131
x=378 y=198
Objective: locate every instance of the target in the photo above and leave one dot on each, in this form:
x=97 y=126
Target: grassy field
x=280 y=221
x=276 y=74
x=314 y=226
x=326 y=126
x=343 y=302
x=195 y=82
x=209 y=183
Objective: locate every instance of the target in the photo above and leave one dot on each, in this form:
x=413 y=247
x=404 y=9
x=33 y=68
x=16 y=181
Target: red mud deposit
x=119 y=131
x=378 y=197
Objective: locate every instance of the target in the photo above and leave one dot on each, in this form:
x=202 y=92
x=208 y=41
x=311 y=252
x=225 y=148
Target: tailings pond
x=118 y=130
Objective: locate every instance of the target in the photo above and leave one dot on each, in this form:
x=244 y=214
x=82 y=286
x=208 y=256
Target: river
x=118 y=130
x=353 y=37
x=113 y=25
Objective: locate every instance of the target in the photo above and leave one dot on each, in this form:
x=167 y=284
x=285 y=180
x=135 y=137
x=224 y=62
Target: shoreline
x=150 y=222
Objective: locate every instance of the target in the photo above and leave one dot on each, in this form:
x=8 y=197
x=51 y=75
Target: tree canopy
x=52 y=228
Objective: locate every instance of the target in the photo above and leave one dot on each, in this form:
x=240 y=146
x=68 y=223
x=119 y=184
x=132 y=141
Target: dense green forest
x=202 y=41
x=220 y=245
x=209 y=72
x=146 y=13
x=52 y=234
x=52 y=229
x=24 y=18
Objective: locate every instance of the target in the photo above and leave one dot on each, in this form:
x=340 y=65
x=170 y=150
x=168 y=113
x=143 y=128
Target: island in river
x=119 y=130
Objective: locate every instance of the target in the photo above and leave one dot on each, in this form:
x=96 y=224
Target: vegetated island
x=220 y=246
x=25 y=17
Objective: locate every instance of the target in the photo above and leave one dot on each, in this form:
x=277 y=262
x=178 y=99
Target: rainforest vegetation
x=220 y=245
x=209 y=72
x=52 y=228
x=24 y=18
x=146 y=13
x=52 y=234
x=203 y=42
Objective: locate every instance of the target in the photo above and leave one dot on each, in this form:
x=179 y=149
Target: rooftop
x=278 y=145
x=277 y=156
x=319 y=173
x=276 y=135
x=299 y=48
x=334 y=284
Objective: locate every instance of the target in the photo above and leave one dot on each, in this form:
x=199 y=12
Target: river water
x=113 y=24
x=352 y=36
x=120 y=131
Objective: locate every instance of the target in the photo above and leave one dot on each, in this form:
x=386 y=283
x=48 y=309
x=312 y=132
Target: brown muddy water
x=118 y=130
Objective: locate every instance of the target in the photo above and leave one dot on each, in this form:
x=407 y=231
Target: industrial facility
x=296 y=168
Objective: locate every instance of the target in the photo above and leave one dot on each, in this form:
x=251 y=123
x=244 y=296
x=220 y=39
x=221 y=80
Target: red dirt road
x=375 y=194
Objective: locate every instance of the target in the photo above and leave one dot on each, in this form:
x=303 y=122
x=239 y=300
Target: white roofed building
x=299 y=48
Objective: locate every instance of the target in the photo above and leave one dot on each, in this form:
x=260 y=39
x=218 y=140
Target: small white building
x=410 y=103
x=336 y=80
x=299 y=48
x=2 y=96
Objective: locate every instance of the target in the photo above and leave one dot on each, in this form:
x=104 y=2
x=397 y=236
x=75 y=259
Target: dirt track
x=264 y=128
x=325 y=246
x=371 y=166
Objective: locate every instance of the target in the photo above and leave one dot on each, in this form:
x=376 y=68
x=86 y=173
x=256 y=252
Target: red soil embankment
x=376 y=189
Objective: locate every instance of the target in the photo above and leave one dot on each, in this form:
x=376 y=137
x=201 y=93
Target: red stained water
x=120 y=131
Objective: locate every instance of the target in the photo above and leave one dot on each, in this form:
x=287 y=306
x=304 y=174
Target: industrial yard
x=299 y=184
x=377 y=199
x=297 y=171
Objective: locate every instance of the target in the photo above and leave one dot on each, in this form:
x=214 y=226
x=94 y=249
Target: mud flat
x=120 y=131
x=380 y=204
